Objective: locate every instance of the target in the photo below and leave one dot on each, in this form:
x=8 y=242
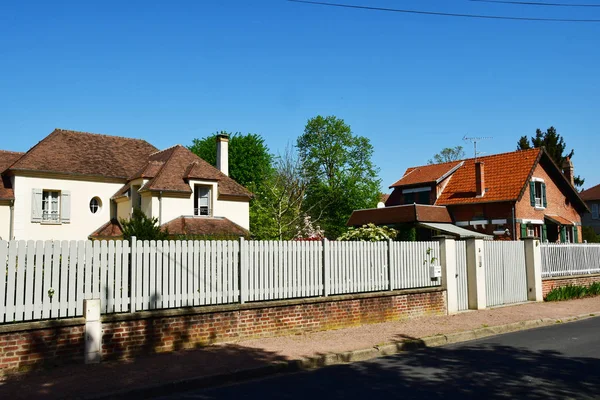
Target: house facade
x=77 y=185
x=592 y=198
x=505 y=196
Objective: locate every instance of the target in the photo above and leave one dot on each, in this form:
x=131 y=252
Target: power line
x=531 y=3
x=396 y=10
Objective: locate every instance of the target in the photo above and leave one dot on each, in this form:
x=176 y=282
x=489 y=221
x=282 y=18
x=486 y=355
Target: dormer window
x=417 y=195
x=202 y=200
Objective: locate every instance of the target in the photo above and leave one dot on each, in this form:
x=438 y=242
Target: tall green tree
x=554 y=144
x=251 y=165
x=340 y=173
x=448 y=154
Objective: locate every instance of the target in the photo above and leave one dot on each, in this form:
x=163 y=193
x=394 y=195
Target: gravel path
x=370 y=335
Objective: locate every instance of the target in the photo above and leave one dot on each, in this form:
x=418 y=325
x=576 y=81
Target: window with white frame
x=538 y=193
x=202 y=200
x=50 y=206
x=595 y=212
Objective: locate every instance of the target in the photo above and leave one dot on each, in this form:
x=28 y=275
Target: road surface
x=556 y=362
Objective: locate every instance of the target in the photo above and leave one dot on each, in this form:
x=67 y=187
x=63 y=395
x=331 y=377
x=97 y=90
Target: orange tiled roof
x=591 y=194
x=505 y=177
x=400 y=214
x=426 y=173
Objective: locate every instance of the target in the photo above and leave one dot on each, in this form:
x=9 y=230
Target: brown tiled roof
x=89 y=154
x=591 y=194
x=7 y=158
x=110 y=230
x=384 y=197
x=203 y=226
x=505 y=177
x=426 y=174
x=400 y=214
x=558 y=219
x=171 y=169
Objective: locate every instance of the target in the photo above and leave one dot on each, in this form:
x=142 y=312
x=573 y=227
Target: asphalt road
x=556 y=362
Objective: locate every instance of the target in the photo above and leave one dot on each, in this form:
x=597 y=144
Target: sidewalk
x=245 y=358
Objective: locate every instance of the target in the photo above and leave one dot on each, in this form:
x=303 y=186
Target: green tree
x=340 y=174
x=589 y=234
x=249 y=157
x=250 y=164
x=142 y=227
x=448 y=154
x=554 y=144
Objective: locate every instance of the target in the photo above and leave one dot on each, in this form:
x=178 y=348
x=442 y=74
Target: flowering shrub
x=308 y=231
x=369 y=233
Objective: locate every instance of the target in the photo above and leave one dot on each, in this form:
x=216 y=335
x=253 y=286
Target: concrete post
x=449 y=276
x=533 y=264
x=476 y=274
x=93 y=331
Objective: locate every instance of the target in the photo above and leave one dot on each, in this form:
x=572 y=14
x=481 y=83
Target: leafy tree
x=340 y=174
x=250 y=164
x=142 y=227
x=448 y=154
x=368 y=233
x=281 y=199
x=249 y=157
x=589 y=235
x=554 y=144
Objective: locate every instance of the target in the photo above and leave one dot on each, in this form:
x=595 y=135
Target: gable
x=425 y=174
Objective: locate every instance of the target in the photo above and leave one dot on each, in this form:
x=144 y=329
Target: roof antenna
x=474 y=140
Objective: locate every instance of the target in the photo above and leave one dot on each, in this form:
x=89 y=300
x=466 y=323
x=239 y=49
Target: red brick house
x=507 y=196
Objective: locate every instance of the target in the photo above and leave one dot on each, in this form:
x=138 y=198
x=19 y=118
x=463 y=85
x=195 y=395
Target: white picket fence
x=570 y=259
x=49 y=279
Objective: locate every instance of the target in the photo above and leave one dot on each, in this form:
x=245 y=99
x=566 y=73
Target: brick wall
x=129 y=335
x=578 y=280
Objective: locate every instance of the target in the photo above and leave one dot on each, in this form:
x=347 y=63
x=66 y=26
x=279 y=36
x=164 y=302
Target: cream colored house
x=77 y=185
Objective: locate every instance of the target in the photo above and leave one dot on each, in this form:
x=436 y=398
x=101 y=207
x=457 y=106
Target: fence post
x=93 y=331
x=449 y=281
x=133 y=280
x=326 y=268
x=533 y=264
x=243 y=270
x=476 y=274
x=390 y=266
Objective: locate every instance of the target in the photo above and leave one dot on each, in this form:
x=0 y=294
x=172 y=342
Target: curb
x=326 y=360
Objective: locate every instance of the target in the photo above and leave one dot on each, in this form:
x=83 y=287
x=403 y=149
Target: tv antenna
x=474 y=140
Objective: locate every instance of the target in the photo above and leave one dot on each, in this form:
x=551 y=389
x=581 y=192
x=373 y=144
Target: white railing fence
x=570 y=259
x=44 y=280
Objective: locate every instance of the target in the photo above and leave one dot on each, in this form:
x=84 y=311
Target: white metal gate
x=505 y=273
x=461 y=275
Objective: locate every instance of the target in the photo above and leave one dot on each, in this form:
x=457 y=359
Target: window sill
x=537 y=208
x=50 y=223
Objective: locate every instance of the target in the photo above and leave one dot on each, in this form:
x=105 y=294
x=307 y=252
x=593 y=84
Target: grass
x=573 y=292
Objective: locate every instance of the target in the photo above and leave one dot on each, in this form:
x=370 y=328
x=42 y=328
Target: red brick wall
x=557 y=202
x=580 y=280
x=129 y=335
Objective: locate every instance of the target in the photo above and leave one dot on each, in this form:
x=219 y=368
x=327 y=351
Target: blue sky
x=171 y=71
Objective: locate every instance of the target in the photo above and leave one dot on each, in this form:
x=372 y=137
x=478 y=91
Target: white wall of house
x=82 y=221
x=5 y=221
x=123 y=209
x=236 y=211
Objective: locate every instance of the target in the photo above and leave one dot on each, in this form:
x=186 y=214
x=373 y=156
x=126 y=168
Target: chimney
x=568 y=170
x=223 y=153
x=479 y=178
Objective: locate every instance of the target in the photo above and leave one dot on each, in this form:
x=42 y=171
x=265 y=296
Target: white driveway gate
x=505 y=273
x=461 y=275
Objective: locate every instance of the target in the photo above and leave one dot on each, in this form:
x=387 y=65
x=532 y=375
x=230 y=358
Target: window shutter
x=532 y=193
x=544 y=195
x=36 y=205
x=575 y=235
x=544 y=233
x=563 y=234
x=523 y=231
x=65 y=207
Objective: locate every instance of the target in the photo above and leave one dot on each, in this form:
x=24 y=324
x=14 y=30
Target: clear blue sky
x=170 y=71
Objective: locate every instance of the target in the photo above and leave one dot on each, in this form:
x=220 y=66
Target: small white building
x=76 y=185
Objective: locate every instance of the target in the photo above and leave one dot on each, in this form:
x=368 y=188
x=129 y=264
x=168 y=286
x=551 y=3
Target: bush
x=589 y=235
x=573 y=292
x=368 y=233
x=142 y=227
